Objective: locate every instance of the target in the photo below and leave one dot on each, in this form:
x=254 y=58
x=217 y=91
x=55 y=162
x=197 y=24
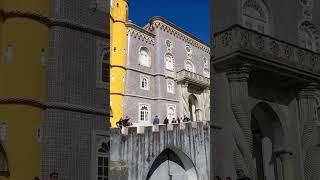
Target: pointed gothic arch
x=178 y=159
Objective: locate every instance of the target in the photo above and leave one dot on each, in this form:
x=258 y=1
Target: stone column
x=307 y=121
x=238 y=83
x=185 y=100
x=285 y=165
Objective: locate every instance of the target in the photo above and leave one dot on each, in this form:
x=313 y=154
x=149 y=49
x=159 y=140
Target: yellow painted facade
x=118 y=19
x=22 y=77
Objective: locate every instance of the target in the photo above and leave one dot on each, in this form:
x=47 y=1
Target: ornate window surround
x=97 y=137
x=147 y=82
x=148 y=120
x=148 y=63
x=174 y=110
x=172 y=91
x=265 y=16
x=188 y=61
x=102 y=48
x=168 y=66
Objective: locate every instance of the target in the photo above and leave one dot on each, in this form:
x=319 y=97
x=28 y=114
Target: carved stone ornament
x=274 y=48
x=259 y=42
x=227 y=38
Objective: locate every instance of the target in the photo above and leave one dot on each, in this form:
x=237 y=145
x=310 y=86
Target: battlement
x=143 y=144
x=157 y=128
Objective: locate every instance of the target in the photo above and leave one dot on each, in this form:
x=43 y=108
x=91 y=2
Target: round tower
x=23 y=44
x=118 y=19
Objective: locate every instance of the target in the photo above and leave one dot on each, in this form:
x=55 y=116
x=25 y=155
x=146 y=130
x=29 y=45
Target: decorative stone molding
x=50 y=22
x=53 y=105
x=140 y=34
x=275 y=52
x=164 y=25
x=239 y=74
x=308 y=92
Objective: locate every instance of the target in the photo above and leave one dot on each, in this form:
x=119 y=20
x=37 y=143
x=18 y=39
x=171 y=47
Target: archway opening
x=172 y=165
x=267 y=139
x=193 y=108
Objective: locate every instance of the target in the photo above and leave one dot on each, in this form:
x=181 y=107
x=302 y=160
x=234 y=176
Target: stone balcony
x=192 y=78
x=238 y=45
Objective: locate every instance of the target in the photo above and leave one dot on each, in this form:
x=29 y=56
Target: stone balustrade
x=192 y=77
x=254 y=46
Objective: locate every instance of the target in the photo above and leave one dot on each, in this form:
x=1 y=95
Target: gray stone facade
x=154 y=36
x=76 y=119
x=266 y=95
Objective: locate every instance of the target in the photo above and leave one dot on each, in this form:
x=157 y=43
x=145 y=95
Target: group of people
x=124 y=122
x=156 y=120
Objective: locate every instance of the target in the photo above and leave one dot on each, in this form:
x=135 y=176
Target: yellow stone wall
x=23 y=78
x=118 y=18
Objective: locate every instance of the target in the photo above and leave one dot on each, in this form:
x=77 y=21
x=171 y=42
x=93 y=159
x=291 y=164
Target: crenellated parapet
x=138 y=147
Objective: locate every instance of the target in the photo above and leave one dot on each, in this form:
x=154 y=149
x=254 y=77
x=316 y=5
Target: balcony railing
x=191 y=77
x=259 y=47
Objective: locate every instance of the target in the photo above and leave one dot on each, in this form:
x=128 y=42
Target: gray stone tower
x=266 y=74
x=74 y=135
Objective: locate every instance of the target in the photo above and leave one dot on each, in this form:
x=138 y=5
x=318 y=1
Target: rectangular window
x=103 y=65
x=144 y=82
x=170 y=86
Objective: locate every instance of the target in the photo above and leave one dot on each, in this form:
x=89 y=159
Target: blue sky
x=191 y=15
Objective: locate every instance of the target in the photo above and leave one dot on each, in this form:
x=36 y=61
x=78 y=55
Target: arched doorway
x=267 y=137
x=172 y=165
x=193 y=108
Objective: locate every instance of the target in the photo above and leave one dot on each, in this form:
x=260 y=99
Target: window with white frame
x=144 y=82
x=189 y=66
x=170 y=86
x=171 y=111
x=144 y=113
x=103 y=67
x=169 y=62
x=103 y=160
x=144 y=57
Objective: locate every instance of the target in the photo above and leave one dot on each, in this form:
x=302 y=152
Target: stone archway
x=172 y=165
x=194 y=108
x=268 y=139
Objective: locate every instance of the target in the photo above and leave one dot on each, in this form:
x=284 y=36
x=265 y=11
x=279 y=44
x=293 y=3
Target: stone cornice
x=240 y=74
x=52 y=105
x=140 y=34
x=241 y=45
x=167 y=26
x=150 y=98
x=51 y=22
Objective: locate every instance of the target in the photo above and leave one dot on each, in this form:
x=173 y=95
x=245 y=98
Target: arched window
x=170 y=86
x=169 y=62
x=103 y=160
x=144 y=57
x=309 y=36
x=103 y=67
x=189 y=66
x=255 y=16
x=144 y=113
x=144 y=82
x=171 y=111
